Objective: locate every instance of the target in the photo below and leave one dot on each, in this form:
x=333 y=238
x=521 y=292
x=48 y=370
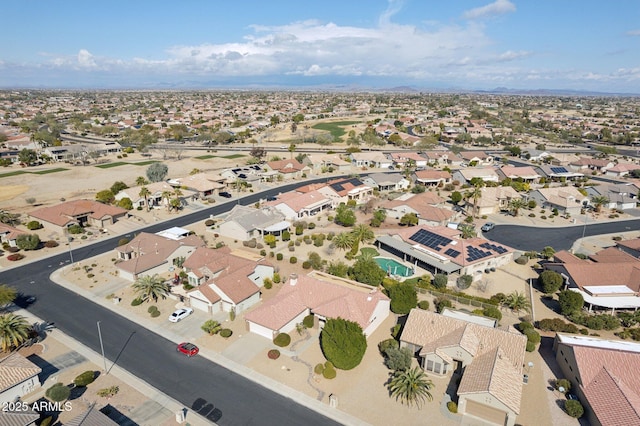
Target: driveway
x=245 y=349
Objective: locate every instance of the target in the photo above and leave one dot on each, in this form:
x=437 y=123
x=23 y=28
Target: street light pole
x=104 y=360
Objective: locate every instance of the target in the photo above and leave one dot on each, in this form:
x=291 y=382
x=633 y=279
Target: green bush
x=570 y=301
x=226 y=332
x=46 y=421
x=286 y=236
x=283 y=340
x=387 y=344
x=532 y=336
x=268 y=283
x=293 y=259
x=33 y=225
x=155 y=314
x=319 y=368
x=58 y=392
x=343 y=343
x=574 y=408
x=563 y=383
x=151 y=309
x=492 y=312
x=279 y=256
x=308 y=321
x=329 y=373
x=85 y=378
x=522 y=260
x=442 y=303
x=556 y=324
x=440 y=281
x=464 y=281
x=276 y=278
x=551 y=281
x=306 y=265
x=137 y=301
x=530 y=346
x=424 y=305
x=452 y=407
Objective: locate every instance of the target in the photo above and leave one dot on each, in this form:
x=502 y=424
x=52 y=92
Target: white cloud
x=633 y=33
x=498 y=7
x=85 y=59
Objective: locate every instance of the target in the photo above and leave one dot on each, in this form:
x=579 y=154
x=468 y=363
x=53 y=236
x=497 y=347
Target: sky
x=583 y=45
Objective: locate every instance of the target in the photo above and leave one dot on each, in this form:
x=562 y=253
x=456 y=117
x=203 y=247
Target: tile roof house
x=78 y=212
x=371 y=159
x=621 y=196
x=594 y=164
x=289 y=169
x=428 y=206
x=431 y=177
x=439 y=249
x=91 y=417
x=567 y=199
x=487 y=174
x=609 y=279
x=324 y=296
x=401 y=159
x=489 y=359
x=294 y=205
x=243 y=222
x=493 y=199
x=157 y=190
x=477 y=158
x=604 y=376
x=18 y=377
x=19 y=418
x=622 y=169
x=558 y=173
x=149 y=254
x=631 y=247
x=443 y=157
x=342 y=190
x=203 y=184
x=318 y=162
x=224 y=280
x=526 y=173
x=8 y=234
x=387 y=181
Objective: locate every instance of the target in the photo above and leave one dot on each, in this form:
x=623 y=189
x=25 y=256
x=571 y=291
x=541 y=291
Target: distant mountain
x=550 y=92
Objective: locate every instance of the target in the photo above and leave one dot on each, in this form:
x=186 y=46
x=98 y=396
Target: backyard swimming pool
x=393 y=267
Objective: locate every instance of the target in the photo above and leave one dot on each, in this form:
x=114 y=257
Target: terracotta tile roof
x=201 y=182
x=516 y=172
x=18 y=418
x=470 y=155
x=415 y=201
x=286 y=166
x=355 y=302
x=15 y=369
x=91 y=417
x=298 y=202
x=603 y=274
x=9 y=232
x=65 y=213
x=432 y=174
x=632 y=244
x=564 y=256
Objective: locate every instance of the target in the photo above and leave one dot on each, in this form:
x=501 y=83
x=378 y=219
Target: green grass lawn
x=369 y=250
x=205 y=157
x=233 y=156
x=124 y=163
x=335 y=128
x=37 y=172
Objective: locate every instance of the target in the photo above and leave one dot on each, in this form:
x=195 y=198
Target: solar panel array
x=559 y=170
x=429 y=239
x=451 y=252
x=497 y=249
x=339 y=186
x=474 y=254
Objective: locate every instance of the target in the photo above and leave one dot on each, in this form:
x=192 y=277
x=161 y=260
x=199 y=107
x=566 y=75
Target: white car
x=180 y=314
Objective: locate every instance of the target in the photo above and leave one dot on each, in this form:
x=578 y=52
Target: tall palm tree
x=166 y=195
x=411 y=386
x=144 y=192
x=151 y=287
x=140 y=180
x=517 y=302
x=467 y=231
x=362 y=233
x=7 y=295
x=599 y=201
x=516 y=204
x=475 y=193
x=14 y=331
x=343 y=241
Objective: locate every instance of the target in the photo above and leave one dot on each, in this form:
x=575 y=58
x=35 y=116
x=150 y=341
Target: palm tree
x=14 y=331
x=140 y=180
x=411 y=386
x=516 y=204
x=475 y=193
x=144 y=192
x=10 y=219
x=343 y=241
x=151 y=287
x=7 y=295
x=362 y=233
x=467 y=231
x=517 y=302
x=166 y=195
x=211 y=327
x=548 y=252
x=599 y=201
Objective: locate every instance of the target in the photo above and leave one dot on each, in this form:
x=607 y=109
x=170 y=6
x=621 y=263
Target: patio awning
x=280 y=226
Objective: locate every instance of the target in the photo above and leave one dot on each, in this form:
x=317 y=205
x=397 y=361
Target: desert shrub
x=33 y=225
x=15 y=256
x=293 y=259
x=387 y=344
x=343 y=343
x=532 y=336
x=226 y=332
x=152 y=309
x=312 y=225
x=530 y=346
x=308 y=321
x=306 y=265
x=85 y=378
x=556 y=324
x=464 y=281
x=522 y=260
x=279 y=256
x=329 y=373
x=452 y=407
x=123 y=241
x=276 y=277
x=574 y=408
x=563 y=383
x=524 y=326
x=137 y=301
x=497 y=299
x=551 y=281
x=108 y=392
x=440 y=281
x=441 y=303
x=46 y=421
x=286 y=235
x=273 y=354
x=283 y=340
x=424 y=305
x=395 y=330
x=570 y=301
x=209 y=222
x=58 y=392
x=398 y=359
x=51 y=244
x=492 y=312
x=263 y=252
x=319 y=368
x=155 y=314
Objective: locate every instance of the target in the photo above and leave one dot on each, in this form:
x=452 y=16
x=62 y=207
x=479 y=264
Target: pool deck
x=407 y=268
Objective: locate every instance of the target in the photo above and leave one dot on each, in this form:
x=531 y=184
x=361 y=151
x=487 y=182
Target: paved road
x=217 y=393
x=534 y=238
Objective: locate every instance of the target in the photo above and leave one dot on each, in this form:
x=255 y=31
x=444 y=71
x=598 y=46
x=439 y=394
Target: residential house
x=288 y=169
x=603 y=376
x=159 y=195
x=19 y=418
x=439 y=249
x=91 y=417
x=622 y=169
x=489 y=359
x=18 y=377
x=428 y=206
x=294 y=205
x=621 y=196
x=342 y=190
x=374 y=159
x=249 y=174
x=487 y=174
x=225 y=280
x=567 y=199
x=443 y=158
x=243 y=223
x=202 y=184
x=524 y=174
x=594 y=164
x=8 y=234
x=404 y=159
x=536 y=155
x=558 y=173
x=610 y=279
x=321 y=163
x=149 y=254
x=78 y=212
x=431 y=177
x=476 y=158
x=631 y=247
x=325 y=297
x=493 y=199
x=387 y=181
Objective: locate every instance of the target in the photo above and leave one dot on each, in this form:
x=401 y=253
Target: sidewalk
x=302 y=399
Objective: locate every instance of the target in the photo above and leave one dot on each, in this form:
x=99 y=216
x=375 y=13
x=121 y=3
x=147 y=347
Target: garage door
x=199 y=304
x=260 y=330
x=485 y=412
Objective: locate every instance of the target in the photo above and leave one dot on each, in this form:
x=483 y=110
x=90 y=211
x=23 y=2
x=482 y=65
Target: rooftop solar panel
x=558 y=170
x=429 y=239
x=451 y=252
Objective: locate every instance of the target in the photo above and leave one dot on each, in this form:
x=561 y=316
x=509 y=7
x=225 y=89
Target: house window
x=429 y=365
x=437 y=367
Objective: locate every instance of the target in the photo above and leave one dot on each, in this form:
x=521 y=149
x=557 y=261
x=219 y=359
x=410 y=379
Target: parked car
x=225 y=194
x=180 y=314
x=272 y=198
x=571 y=396
x=488 y=226
x=189 y=349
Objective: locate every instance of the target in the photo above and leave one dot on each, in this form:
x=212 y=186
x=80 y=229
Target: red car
x=189 y=349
